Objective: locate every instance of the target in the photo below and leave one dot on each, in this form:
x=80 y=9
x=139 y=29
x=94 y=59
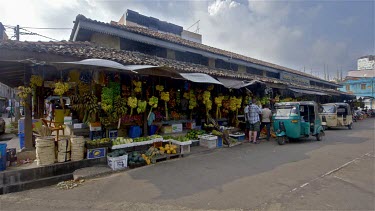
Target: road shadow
x=198 y=173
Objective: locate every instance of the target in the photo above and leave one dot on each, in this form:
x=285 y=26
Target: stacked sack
x=63 y=149
x=77 y=148
x=45 y=151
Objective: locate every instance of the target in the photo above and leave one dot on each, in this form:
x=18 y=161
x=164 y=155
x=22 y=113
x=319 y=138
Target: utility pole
x=18 y=32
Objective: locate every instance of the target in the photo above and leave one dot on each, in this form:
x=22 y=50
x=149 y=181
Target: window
x=348 y=87
x=363 y=86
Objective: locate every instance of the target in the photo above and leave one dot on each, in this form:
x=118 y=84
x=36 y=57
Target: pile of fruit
x=98 y=142
x=169 y=149
x=155 y=136
x=135 y=158
x=122 y=140
x=141 y=139
x=117 y=153
x=182 y=139
x=193 y=134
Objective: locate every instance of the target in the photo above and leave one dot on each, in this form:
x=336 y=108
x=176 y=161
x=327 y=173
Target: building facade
x=366 y=63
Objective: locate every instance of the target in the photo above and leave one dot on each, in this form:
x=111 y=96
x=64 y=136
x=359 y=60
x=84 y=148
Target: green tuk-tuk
x=294 y=120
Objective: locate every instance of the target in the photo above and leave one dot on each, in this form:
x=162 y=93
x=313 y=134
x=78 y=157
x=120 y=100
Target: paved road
x=335 y=174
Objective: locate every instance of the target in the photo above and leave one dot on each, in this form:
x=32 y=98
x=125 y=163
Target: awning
x=107 y=64
x=200 y=78
x=236 y=84
x=307 y=92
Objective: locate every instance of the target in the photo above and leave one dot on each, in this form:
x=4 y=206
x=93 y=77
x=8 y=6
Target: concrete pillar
x=171 y=54
x=28 y=113
x=211 y=62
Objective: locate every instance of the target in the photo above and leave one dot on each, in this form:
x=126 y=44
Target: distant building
x=361 y=83
x=366 y=63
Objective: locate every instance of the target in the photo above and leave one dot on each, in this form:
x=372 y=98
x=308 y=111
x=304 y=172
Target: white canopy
x=200 y=78
x=236 y=84
x=307 y=92
x=108 y=64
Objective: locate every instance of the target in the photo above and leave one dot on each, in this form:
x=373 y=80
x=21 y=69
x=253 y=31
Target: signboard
x=294 y=78
x=366 y=63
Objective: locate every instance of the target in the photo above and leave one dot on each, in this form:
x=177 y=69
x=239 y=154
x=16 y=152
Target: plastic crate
x=3 y=157
x=219 y=142
x=184 y=149
x=118 y=163
x=152 y=129
x=240 y=137
x=211 y=144
x=135 y=132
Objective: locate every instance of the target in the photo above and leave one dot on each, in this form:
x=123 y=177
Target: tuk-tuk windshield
x=328 y=109
x=286 y=111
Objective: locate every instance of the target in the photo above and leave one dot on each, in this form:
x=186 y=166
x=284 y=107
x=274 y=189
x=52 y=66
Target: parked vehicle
x=294 y=120
x=336 y=115
x=2 y=126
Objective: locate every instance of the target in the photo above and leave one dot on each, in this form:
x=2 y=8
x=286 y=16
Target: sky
x=303 y=35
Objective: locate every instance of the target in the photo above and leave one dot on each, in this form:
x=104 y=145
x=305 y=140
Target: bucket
x=135 y=132
x=153 y=129
x=3 y=157
x=219 y=142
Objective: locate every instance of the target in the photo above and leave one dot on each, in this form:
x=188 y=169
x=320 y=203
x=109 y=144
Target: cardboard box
x=166 y=129
x=96 y=153
x=95 y=126
x=112 y=134
x=176 y=128
x=190 y=125
x=118 y=163
x=79 y=125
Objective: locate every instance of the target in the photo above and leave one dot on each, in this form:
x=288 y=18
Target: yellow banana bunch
x=210 y=88
x=192 y=100
x=120 y=106
x=187 y=95
x=219 y=103
x=23 y=92
x=153 y=102
x=141 y=106
x=132 y=103
x=160 y=88
x=138 y=86
x=238 y=102
x=165 y=96
x=61 y=88
x=36 y=80
x=233 y=103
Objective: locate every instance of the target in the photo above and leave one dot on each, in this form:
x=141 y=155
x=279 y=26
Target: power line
x=53 y=28
x=33 y=33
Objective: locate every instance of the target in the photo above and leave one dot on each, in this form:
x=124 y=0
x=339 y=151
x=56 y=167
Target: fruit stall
x=133 y=119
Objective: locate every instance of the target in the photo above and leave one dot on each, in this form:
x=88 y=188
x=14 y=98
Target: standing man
x=266 y=121
x=254 y=121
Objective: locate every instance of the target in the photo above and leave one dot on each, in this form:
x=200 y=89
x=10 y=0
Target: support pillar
x=28 y=113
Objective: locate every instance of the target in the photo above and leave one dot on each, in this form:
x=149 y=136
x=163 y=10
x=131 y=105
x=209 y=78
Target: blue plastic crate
x=3 y=157
x=135 y=132
x=219 y=142
x=153 y=129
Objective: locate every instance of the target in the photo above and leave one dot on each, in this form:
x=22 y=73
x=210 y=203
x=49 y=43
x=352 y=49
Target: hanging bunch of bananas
x=187 y=95
x=141 y=106
x=232 y=103
x=74 y=76
x=120 y=106
x=61 y=88
x=137 y=86
x=23 y=92
x=238 y=106
x=36 y=81
x=207 y=101
x=192 y=100
x=153 y=102
x=90 y=107
x=165 y=97
x=107 y=99
x=211 y=87
x=219 y=103
x=132 y=103
x=264 y=100
x=83 y=88
x=159 y=88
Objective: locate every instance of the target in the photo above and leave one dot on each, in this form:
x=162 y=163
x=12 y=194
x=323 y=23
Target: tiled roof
x=178 y=40
x=85 y=50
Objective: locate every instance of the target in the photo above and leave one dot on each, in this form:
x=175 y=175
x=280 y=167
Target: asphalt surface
x=334 y=174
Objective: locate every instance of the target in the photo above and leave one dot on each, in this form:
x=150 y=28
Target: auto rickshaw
x=294 y=120
x=336 y=115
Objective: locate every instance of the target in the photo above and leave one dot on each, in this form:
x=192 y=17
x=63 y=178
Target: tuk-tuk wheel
x=282 y=140
x=319 y=136
x=350 y=126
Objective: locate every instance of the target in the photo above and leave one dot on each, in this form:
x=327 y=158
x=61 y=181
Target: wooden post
x=28 y=113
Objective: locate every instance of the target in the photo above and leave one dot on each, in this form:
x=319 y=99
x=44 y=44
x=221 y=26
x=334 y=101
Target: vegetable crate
x=184 y=149
x=118 y=163
x=208 y=141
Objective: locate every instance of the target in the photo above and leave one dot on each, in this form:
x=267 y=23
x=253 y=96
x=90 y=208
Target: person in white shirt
x=266 y=121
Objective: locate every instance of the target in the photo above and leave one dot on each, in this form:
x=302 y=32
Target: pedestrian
x=254 y=120
x=266 y=121
x=247 y=127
